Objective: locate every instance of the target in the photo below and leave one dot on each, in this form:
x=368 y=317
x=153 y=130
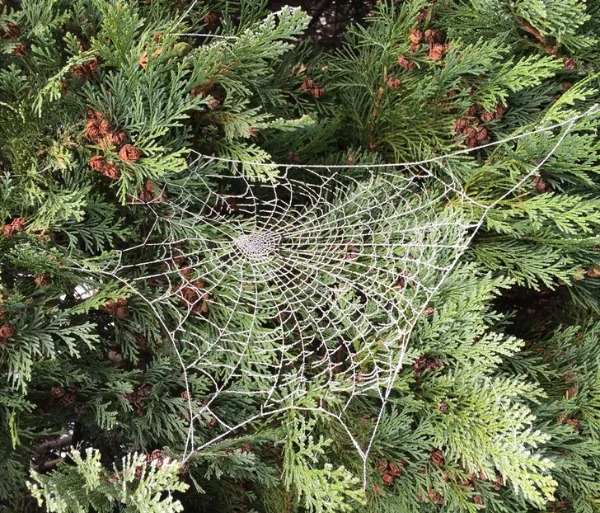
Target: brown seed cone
x=97 y=162
x=129 y=153
x=388 y=479
x=92 y=130
x=57 y=392
x=213 y=104
x=481 y=133
x=20 y=50
x=111 y=171
x=487 y=116
x=118 y=139
x=437 y=457
x=460 y=124
x=416 y=36
x=15 y=226
x=471 y=141
x=382 y=465
x=477 y=499
x=317 y=92
x=394 y=470
x=122 y=312
x=540 y=184
x=18 y=224
x=80 y=71
x=414 y=47
x=154 y=455
x=6 y=332
x=42 y=280
x=593 y=271
x=307 y=84
x=111 y=305
x=436 y=52
x=95 y=114
x=13 y=30
x=576 y=423
x=433 y=36
x=435 y=497
x=423 y=14
x=498 y=482
x=570 y=63
x=93 y=65
x=104 y=128
x=405 y=63
x=68 y=399
x=471 y=111
x=393 y=83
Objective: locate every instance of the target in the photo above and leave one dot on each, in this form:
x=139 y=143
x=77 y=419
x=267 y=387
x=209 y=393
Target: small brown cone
x=97 y=162
x=414 y=47
x=436 y=52
x=42 y=280
x=593 y=271
x=405 y=63
x=20 y=50
x=118 y=139
x=6 y=332
x=57 y=392
x=393 y=83
x=433 y=36
x=307 y=84
x=111 y=171
x=437 y=457
x=435 y=497
x=317 y=92
x=416 y=36
x=129 y=153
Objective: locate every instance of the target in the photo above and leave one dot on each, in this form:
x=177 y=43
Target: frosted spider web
x=306 y=287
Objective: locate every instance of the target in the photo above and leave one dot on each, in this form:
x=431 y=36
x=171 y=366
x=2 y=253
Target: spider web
x=301 y=291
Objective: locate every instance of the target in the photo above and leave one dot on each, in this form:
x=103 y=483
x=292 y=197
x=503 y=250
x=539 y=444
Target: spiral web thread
x=307 y=286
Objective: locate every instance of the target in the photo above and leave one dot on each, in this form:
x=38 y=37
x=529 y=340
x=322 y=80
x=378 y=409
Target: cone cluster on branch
x=309 y=86
x=389 y=471
x=100 y=131
x=469 y=125
x=17 y=225
x=87 y=69
x=119 y=308
x=138 y=398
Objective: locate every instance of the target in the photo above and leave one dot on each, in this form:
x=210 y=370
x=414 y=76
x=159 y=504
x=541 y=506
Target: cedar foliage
x=102 y=104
